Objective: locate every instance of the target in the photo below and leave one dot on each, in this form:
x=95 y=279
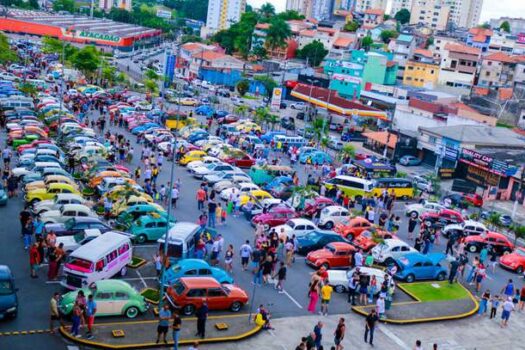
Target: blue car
x=287 y=180
x=317 y=157
x=417 y=266
x=195 y=268
x=141 y=128
x=268 y=137
x=197 y=136
x=3 y=195
x=409 y=161
x=206 y=110
x=221 y=114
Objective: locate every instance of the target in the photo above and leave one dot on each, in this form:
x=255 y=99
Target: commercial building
x=223 y=13
x=430 y=13
x=107 y=5
x=79 y=29
x=363 y=5
x=421 y=70
x=398 y=5
x=464 y=13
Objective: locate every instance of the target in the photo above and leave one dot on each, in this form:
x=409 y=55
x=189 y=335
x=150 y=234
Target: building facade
x=497 y=70
x=107 y=5
x=421 y=70
x=464 y=13
x=479 y=38
x=430 y=13
x=517 y=25
x=398 y=5
x=223 y=13
x=459 y=65
x=363 y=5
x=403 y=48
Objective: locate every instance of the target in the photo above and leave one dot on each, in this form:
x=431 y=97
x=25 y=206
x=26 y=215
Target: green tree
x=485 y=25
x=151 y=85
x=87 y=60
x=151 y=75
x=348 y=151
x=366 y=42
x=319 y=129
x=352 y=26
x=313 y=52
x=52 y=45
x=290 y=15
x=494 y=220
x=429 y=42
x=260 y=52
x=273 y=120
x=505 y=26
x=190 y=39
x=518 y=231
x=6 y=53
x=28 y=89
x=261 y=115
x=267 y=10
x=120 y=15
x=33 y=4
x=402 y=16
x=243 y=86
x=386 y=17
x=277 y=34
x=241 y=110
x=268 y=83
x=64 y=5
x=225 y=39
x=386 y=35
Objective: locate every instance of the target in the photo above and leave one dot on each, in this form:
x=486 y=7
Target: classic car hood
x=50 y=213
x=55 y=227
x=319 y=254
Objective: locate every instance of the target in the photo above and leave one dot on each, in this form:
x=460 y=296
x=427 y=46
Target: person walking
x=34 y=260
x=212 y=208
x=508 y=307
x=164 y=319
x=201 y=197
x=174 y=196
x=228 y=259
x=314 y=295
x=176 y=326
x=483 y=302
x=508 y=289
x=245 y=252
x=54 y=313
x=202 y=316
x=91 y=310
x=76 y=316
x=326 y=296
x=281 y=277
x=339 y=334
x=370 y=325
x=494 y=303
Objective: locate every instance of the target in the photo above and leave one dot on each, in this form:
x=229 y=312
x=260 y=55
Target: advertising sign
x=164 y=14
x=169 y=68
x=484 y=162
x=276 y=98
x=98 y=36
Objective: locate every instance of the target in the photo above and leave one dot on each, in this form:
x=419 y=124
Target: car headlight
x=11 y=309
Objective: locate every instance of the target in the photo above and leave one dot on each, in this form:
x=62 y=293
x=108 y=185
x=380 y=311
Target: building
x=459 y=65
x=398 y=5
x=343 y=5
x=517 y=25
x=363 y=5
x=403 y=47
x=223 y=13
x=107 y=5
x=479 y=38
x=78 y=29
x=373 y=18
x=497 y=70
x=326 y=36
x=440 y=42
x=430 y=13
x=421 y=70
x=519 y=75
x=322 y=9
x=502 y=42
x=464 y=13
x=341 y=49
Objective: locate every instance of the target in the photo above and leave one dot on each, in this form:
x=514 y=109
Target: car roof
x=341 y=245
x=74 y=206
x=192 y=263
x=200 y=282
x=299 y=221
x=111 y=284
x=5 y=272
x=394 y=242
x=416 y=257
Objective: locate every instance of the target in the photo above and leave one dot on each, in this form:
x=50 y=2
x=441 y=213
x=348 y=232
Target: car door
x=120 y=300
x=427 y=270
x=341 y=258
x=395 y=252
x=195 y=297
x=105 y=303
x=217 y=299
x=160 y=229
x=300 y=230
x=68 y=214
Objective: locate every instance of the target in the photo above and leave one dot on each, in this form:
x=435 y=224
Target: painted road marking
x=394 y=337
x=28 y=332
x=292 y=299
x=52 y=282
x=138 y=278
x=142 y=279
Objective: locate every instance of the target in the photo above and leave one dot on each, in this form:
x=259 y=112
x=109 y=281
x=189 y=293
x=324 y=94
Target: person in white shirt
x=245 y=252
x=174 y=196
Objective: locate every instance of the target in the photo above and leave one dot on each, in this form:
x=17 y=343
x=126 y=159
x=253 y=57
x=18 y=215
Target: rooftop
x=378 y=12
x=423 y=52
x=500 y=57
x=405 y=38
x=460 y=48
x=343 y=42
x=480 y=135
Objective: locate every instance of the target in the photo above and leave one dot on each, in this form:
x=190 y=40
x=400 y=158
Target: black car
x=75 y=225
x=317 y=240
x=456 y=200
x=283 y=105
x=288 y=123
x=300 y=116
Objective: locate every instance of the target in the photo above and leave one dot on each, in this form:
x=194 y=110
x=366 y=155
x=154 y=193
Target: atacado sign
x=99 y=36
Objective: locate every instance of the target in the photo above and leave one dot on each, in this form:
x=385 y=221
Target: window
x=196 y=293
x=216 y=292
x=204 y=272
x=111 y=256
x=191 y=273
x=124 y=248
x=81 y=213
x=162 y=224
x=121 y=296
x=418 y=264
x=342 y=253
x=69 y=213
x=104 y=296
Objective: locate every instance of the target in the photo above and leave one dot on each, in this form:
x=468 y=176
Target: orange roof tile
x=382 y=137
x=391 y=63
x=307 y=32
x=481 y=31
x=208 y=55
x=481 y=91
x=378 y=12
x=423 y=52
x=500 y=57
x=312 y=20
x=343 y=42
x=462 y=49
x=327 y=30
x=191 y=46
x=505 y=93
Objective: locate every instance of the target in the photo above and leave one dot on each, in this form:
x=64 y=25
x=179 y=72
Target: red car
x=35 y=143
x=278 y=216
x=362 y=156
x=354 y=227
x=514 y=261
x=228 y=119
x=365 y=240
x=333 y=255
x=442 y=218
x=474 y=199
x=245 y=161
x=500 y=243
x=188 y=294
x=314 y=206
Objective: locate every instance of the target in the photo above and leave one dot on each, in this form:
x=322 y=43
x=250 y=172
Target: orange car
x=333 y=255
x=354 y=227
x=365 y=240
x=189 y=293
x=99 y=177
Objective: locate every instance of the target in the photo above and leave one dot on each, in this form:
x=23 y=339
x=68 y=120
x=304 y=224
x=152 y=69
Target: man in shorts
x=54 y=313
x=326 y=295
x=164 y=323
x=508 y=307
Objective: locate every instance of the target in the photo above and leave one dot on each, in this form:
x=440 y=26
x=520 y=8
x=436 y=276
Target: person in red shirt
x=201 y=197
x=34 y=259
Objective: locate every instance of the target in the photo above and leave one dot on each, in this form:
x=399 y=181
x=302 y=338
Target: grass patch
x=136 y=262
x=504 y=125
x=151 y=295
x=435 y=291
x=250 y=97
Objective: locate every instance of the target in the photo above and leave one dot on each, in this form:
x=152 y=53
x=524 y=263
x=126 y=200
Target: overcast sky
x=491 y=8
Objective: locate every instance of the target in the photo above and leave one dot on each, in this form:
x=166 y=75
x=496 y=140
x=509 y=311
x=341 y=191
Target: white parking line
x=140 y=278
x=393 y=337
x=52 y=282
x=145 y=246
x=292 y=299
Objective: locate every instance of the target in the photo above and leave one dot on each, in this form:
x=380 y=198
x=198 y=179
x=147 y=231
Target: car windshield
x=366 y=234
x=291 y=224
x=6 y=287
x=84 y=264
x=79 y=237
x=226 y=290
x=520 y=252
x=330 y=248
x=313 y=236
x=178 y=288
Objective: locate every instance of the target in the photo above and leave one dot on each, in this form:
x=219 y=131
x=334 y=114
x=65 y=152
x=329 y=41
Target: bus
x=351 y=186
x=402 y=188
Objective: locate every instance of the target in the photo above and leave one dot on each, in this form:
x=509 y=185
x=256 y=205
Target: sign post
x=276 y=99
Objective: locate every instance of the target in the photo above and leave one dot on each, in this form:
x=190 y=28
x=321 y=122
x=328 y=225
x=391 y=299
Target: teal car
x=3 y=195
x=113 y=298
x=148 y=228
x=194 y=268
x=136 y=211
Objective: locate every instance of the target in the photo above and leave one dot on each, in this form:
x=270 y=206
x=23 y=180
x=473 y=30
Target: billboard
x=276 y=98
x=169 y=68
x=164 y=14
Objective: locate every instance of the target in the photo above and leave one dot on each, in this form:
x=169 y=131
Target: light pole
x=311 y=81
x=62 y=76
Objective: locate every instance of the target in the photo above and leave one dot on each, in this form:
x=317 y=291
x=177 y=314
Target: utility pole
x=62 y=76
x=91 y=10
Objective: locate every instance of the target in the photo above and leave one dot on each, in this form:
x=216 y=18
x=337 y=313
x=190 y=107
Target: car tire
x=329 y=225
x=441 y=276
x=410 y=278
x=519 y=270
x=404 y=197
x=389 y=261
x=131 y=312
x=292 y=107
x=36 y=200
x=188 y=310
x=236 y=306
x=325 y=265
x=141 y=239
x=340 y=289
x=472 y=248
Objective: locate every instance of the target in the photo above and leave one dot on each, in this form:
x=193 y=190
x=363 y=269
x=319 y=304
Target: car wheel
x=329 y=225
x=292 y=107
x=340 y=289
x=441 y=276
x=473 y=249
x=124 y=271
x=131 y=312
x=141 y=239
x=414 y=214
x=404 y=197
x=83 y=160
x=188 y=310
x=410 y=278
x=519 y=270
x=236 y=306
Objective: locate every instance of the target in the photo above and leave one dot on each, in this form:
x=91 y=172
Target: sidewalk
x=142 y=334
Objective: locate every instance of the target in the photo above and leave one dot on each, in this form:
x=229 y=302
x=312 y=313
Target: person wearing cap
x=508 y=307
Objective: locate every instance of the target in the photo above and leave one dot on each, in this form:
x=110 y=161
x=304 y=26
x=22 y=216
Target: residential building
x=464 y=13
x=398 y=5
x=259 y=39
x=517 y=25
x=223 y=13
x=430 y=13
x=363 y=5
x=421 y=70
x=373 y=18
x=107 y=5
x=213 y=60
x=440 y=42
x=326 y=36
x=341 y=49
x=344 y=5
x=497 y=70
x=459 y=65
x=502 y=42
x=403 y=48
x=322 y=9
x=480 y=38
x=186 y=56
x=519 y=73
x=296 y=5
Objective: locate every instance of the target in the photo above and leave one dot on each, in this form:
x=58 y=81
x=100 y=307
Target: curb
x=360 y=310
x=100 y=345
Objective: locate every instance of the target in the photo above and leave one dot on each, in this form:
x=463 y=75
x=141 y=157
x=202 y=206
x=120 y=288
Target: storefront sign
x=276 y=98
x=484 y=162
x=98 y=36
x=481 y=177
x=446 y=173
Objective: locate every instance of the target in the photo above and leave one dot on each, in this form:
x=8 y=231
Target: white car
x=143 y=106
x=59 y=200
x=213 y=168
x=243 y=187
x=390 y=250
x=298 y=227
x=229 y=183
x=65 y=212
x=72 y=242
x=204 y=162
x=332 y=215
x=338 y=279
x=417 y=209
x=212 y=179
x=8 y=76
x=298 y=105
x=467 y=228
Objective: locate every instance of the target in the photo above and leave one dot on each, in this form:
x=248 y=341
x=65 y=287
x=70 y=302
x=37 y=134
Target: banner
x=485 y=162
x=169 y=68
x=276 y=99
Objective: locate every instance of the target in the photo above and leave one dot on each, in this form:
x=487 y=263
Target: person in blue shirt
x=91 y=310
x=164 y=323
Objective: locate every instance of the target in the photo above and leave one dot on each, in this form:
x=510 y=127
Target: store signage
x=276 y=98
x=164 y=14
x=446 y=173
x=169 y=71
x=481 y=177
x=98 y=36
x=484 y=162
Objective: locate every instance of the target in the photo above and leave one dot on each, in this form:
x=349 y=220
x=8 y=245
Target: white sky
x=491 y=8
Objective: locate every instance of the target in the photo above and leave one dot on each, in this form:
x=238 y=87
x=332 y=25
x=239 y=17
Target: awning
x=382 y=138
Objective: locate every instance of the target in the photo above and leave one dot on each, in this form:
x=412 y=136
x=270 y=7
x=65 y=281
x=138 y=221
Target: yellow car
x=192 y=156
x=49 y=180
x=186 y=131
x=49 y=192
x=188 y=101
x=125 y=203
x=99 y=177
x=254 y=196
x=247 y=127
x=122 y=191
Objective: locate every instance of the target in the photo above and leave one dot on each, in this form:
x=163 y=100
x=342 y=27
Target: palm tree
x=242 y=109
x=261 y=115
x=519 y=232
x=319 y=129
x=494 y=220
x=348 y=151
x=272 y=120
x=277 y=34
x=267 y=10
x=324 y=143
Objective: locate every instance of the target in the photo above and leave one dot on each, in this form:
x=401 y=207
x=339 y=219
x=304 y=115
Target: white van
x=182 y=238
x=99 y=259
x=297 y=141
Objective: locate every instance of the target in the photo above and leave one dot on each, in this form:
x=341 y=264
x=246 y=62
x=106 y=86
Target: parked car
x=332 y=215
x=474 y=199
x=505 y=220
x=338 y=279
x=57 y=202
x=65 y=212
x=366 y=240
x=416 y=209
x=416 y=266
x=333 y=255
x=49 y=192
x=464 y=229
x=79 y=239
x=276 y=217
x=409 y=161
x=297 y=226
x=75 y=225
x=353 y=227
x=500 y=243
x=188 y=294
x=194 y=268
x=514 y=261
x=316 y=158
x=113 y=298
x=315 y=205
x=149 y=227
x=243 y=187
x=8 y=294
x=423 y=184
x=442 y=218
x=391 y=249
x=316 y=240
x=297 y=105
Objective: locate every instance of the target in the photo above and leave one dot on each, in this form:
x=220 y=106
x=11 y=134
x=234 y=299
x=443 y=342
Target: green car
x=148 y=228
x=113 y=298
x=27 y=139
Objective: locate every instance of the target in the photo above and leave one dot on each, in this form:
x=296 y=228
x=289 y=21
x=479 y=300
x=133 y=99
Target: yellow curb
x=7 y=333
x=23 y=333
x=15 y=333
